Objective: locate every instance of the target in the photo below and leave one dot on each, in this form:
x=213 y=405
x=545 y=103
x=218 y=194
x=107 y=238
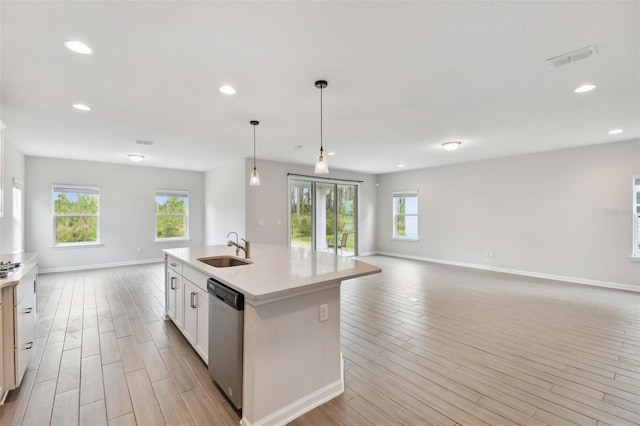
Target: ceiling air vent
x=573 y=56
x=141 y=142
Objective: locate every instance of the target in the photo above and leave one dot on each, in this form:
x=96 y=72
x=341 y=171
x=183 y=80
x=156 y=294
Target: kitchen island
x=291 y=358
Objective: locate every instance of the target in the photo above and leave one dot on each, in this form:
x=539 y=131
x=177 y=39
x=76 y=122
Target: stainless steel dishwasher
x=226 y=326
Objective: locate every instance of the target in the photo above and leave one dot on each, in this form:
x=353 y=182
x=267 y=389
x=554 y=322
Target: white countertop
x=276 y=271
x=28 y=260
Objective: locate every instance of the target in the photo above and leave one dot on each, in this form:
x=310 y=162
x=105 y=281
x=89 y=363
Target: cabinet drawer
x=25 y=287
x=195 y=276
x=174 y=264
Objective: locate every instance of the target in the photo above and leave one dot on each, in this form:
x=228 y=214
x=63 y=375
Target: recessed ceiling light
x=331 y=153
x=401 y=165
x=227 y=90
x=585 y=88
x=82 y=107
x=452 y=145
x=615 y=131
x=78 y=47
x=135 y=157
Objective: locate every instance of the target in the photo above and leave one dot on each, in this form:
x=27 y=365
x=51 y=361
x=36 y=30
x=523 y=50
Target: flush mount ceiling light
x=136 y=158
x=331 y=153
x=585 y=88
x=452 y=145
x=322 y=167
x=401 y=166
x=82 y=107
x=254 y=180
x=227 y=90
x=573 y=56
x=78 y=47
x=615 y=131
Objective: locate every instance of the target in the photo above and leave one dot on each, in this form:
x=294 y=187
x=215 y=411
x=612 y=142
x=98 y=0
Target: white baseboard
x=303 y=405
x=575 y=280
x=99 y=266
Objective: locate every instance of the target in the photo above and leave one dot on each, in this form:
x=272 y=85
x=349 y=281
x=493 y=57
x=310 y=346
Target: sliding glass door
x=322 y=216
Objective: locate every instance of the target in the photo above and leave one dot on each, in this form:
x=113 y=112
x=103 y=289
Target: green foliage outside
x=400 y=212
x=171 y=219
x=76 y=220
x=301 y=222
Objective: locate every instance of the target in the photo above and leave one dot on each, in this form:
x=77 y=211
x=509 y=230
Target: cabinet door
x=190 y=312
x=1 y=341
x=174 y=297
x=202 y=340
x=196 y=318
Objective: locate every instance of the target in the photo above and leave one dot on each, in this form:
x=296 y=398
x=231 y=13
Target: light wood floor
x=423 y=344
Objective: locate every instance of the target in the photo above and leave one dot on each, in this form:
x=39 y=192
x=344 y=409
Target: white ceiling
x=403 y=78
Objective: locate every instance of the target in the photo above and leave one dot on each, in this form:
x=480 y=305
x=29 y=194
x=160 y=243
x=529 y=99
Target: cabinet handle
x=171 y=285
x=174 y=264
x=193 y=303
x=27 y=311
x=29 y=345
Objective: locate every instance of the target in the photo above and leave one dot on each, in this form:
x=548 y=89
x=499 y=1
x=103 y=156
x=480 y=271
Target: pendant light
x=254 y=180
x=322 y=167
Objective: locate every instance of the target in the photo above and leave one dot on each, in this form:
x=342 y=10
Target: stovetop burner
x=8 y=268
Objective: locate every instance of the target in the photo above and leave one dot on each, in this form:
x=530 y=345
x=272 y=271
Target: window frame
x=187 y=225
x=635 y=217
x=78 y=188
x=405 y=194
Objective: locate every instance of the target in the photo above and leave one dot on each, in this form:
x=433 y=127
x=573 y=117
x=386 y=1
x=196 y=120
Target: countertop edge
x=303 y=286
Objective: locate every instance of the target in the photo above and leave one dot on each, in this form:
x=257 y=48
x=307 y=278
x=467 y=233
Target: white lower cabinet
x=187 y=304
x=175 y=297
x=196 y=318
x=17 y=329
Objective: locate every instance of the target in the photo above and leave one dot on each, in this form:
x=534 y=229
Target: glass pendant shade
x=322 y=167
x=254 y=180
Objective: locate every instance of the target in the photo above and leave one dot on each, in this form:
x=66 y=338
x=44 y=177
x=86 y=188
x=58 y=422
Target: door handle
x=193 y=303
x=171 y=284
x=27 y=311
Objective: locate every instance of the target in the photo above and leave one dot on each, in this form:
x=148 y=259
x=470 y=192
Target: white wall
x=269 y=202
x=13 y=167
x=565 y=213
x=127 y=210
x=225 y=202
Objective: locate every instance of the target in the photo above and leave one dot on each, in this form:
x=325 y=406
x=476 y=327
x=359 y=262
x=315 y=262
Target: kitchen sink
x=224 y=261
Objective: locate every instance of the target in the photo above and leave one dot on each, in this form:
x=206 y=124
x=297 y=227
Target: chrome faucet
x=247 y=245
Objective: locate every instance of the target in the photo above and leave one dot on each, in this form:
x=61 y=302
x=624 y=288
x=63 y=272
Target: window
x=636 y=216
x=405 y=215
x=76 y=215
x=172 y=215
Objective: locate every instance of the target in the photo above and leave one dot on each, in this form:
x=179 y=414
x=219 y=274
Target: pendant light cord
x=254 y=147
x=321 y=89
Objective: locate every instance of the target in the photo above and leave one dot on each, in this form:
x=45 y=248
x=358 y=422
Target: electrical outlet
x=261 y=223
x=278 y=222
x=324 y=312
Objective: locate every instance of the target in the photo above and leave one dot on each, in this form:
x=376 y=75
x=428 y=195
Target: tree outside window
x=76 y=215
x=405 y=215
x=172 y=215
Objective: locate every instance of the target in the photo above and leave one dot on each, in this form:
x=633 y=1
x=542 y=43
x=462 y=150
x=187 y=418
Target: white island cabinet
x=17 y=321
x=291 y=358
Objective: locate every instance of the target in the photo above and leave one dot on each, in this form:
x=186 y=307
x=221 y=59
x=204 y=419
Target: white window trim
x=155 y=221
x=96 y=243
x=635 y=238
x=394 y=195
